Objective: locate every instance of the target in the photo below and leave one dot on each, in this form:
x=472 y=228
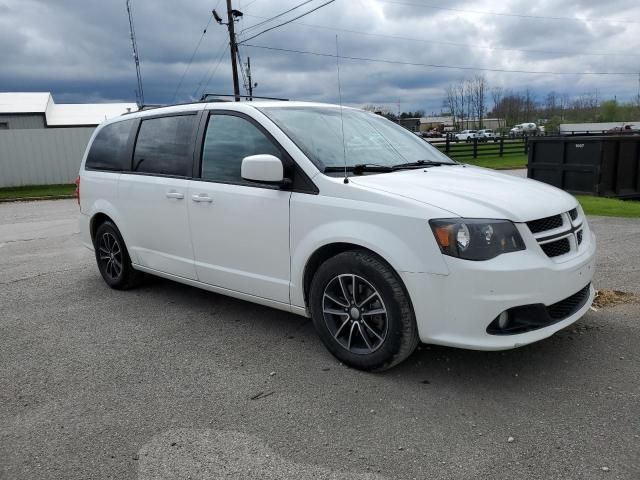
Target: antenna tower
x=134 y=45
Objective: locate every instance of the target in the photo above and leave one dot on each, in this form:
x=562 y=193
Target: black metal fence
x=474 y=148
x=502 y=146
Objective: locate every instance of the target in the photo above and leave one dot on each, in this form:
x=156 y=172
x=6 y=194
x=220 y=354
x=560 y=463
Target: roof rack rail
x=142 y=108
x=215 y=97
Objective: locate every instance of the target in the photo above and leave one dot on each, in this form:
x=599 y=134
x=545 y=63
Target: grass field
x=36 y=191
x=499 y=163
x=609 y=207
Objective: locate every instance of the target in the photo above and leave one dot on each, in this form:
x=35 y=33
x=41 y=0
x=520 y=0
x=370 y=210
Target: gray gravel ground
x=168 y=381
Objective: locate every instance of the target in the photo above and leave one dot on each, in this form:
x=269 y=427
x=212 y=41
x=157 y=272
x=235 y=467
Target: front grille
x=555 y=249
x=544 y=224
x=559 y=234
x=570 y=305
x=573 y=214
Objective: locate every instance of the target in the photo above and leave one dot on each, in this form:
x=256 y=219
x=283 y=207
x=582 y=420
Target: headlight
x=476 y=239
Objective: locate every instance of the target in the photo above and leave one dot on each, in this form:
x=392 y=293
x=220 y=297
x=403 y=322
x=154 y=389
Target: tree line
x=464 y=100
x=470 y=101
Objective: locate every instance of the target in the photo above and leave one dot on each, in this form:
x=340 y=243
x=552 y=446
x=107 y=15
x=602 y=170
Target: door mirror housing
x=262 y=168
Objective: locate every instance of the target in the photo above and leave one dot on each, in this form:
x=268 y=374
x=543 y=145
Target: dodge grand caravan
x=339 y=215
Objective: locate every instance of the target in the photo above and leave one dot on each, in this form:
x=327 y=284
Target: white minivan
x=339 y=215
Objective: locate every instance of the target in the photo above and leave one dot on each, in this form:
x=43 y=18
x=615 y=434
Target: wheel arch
x=329 y=250
x=96 y=220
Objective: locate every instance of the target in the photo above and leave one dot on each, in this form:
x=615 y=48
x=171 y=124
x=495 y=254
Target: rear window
x=109 y=148
x=164 y=146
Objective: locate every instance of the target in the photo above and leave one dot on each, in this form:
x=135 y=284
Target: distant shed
x=42 y=142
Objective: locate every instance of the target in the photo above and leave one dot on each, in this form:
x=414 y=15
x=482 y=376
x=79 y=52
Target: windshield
x=368 y=138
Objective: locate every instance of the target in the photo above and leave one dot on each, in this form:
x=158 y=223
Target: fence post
x=526 y=145
x=475 y=147
x=446 y=147
x=502 y=145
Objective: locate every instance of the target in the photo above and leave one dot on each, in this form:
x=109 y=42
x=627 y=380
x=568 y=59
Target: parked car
x=523 y=129
x=487 y=134
x=433 y=134
x=339 y=215
x=465 y=135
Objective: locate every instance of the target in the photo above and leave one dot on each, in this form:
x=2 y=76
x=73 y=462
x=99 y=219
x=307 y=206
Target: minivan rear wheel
x=362 y=312
x=113 y=258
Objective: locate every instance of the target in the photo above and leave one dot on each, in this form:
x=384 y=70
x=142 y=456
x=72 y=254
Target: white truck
x=524 y=129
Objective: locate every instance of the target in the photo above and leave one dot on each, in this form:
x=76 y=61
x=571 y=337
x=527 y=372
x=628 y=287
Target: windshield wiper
x=360 y=168
x=419 y=164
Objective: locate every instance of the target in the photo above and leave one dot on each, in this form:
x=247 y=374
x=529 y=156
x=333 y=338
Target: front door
x=239 y=229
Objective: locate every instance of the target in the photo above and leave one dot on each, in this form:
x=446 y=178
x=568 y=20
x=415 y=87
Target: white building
x=23 y=110
x=42 y=142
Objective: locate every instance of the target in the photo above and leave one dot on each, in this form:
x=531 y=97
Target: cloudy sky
x=80 y=49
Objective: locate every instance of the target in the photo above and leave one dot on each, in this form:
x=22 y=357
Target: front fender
x=410 y=252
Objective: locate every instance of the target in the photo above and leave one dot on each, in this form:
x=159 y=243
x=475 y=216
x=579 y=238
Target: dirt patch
x=608 y=298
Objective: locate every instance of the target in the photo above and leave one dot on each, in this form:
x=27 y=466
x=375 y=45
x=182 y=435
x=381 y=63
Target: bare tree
x=497 y=93
x=477 y=87
x=461 y=95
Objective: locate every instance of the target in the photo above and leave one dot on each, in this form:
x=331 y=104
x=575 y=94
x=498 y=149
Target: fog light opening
x=503 y=320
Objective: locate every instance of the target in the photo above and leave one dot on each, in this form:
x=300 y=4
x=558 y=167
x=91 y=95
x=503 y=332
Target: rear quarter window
x=164 y=145
x=109 y=150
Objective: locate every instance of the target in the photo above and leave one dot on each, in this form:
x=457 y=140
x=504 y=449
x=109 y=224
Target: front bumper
x=456 y=309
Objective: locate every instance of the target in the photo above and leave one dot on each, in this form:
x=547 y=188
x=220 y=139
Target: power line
x=451 y=67
x=276 y=16
x=214 y=67
x=242 y=72
x=288 y=21
x=501 y=14
x=455 y=44
x=175 y=94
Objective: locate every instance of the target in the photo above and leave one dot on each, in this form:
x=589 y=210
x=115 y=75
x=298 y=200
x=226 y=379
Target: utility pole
x=233 y=47
x=249 y=78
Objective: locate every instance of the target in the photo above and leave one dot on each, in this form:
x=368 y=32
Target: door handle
x=173 y=194
x=202 y=198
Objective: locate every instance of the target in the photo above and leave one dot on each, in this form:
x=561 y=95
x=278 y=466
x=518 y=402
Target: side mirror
x=262 y=168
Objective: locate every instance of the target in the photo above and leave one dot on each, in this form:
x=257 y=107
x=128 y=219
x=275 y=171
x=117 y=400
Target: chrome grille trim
x=559 y=235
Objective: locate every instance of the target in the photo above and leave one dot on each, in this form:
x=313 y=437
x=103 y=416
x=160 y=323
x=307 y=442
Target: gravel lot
x=168 y=381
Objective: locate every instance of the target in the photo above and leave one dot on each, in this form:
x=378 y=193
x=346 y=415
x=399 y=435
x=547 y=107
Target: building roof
x=85 y=113
x=61 y=114
x=31 y=102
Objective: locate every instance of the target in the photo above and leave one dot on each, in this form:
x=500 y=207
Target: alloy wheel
x=110 y=255
x=355 y=314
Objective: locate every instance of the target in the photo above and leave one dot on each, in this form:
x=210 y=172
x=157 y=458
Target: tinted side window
x=164 y=145
x=109 y=148
x=228 y=140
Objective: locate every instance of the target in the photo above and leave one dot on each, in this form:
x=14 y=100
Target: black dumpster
x=607 y=166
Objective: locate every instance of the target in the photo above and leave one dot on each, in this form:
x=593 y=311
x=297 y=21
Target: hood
x=474 y=192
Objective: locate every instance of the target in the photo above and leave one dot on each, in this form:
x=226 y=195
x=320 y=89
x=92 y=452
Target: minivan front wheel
x=112 y=258
x=362 y=311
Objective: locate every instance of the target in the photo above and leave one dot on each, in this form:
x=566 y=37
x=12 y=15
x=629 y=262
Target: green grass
x=35 y=191
x=500 y=163
x=609 y=207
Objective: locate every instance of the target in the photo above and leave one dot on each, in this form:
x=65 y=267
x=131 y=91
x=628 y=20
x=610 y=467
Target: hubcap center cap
x=354 y=313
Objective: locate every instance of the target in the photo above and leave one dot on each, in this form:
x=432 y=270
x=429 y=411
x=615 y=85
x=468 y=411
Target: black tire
x=393 y=343
x=113 y=259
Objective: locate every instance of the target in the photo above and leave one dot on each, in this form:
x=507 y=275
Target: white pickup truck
x=524 y=129
x=465 y=135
